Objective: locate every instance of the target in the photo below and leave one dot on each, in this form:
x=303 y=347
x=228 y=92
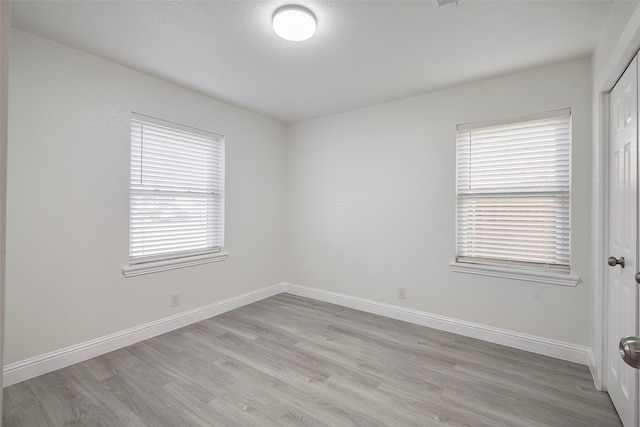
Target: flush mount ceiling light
x=294 y=23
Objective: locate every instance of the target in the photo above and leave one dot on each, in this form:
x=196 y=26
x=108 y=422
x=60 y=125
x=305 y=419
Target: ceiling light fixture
x=294 y=23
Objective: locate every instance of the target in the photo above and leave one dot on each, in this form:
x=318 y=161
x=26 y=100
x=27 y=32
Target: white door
x=622 y=380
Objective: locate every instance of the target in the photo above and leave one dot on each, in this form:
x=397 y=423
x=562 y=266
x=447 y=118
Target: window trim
x=141 y=265
x=516 y=270
x=133 y=270
x=513 y=272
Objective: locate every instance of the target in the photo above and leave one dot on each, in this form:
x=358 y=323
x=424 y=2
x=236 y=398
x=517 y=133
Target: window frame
x=138 y=263
x=512 y=269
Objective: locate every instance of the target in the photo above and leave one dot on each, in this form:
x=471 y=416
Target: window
x=513 y=198
x=176 y=196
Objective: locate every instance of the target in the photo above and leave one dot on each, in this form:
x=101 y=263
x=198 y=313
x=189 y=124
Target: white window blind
x=177 y=191
x=513 y=188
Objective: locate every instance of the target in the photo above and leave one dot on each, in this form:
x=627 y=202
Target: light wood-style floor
x=293 y=361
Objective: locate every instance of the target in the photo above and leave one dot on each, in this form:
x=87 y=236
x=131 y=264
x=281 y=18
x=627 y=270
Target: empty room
x=323 y=213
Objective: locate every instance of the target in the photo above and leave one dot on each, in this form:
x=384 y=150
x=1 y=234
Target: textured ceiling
x=364 y=52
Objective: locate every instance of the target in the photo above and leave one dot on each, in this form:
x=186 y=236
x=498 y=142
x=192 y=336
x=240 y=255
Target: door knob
x=613 y=261
x=630 y=351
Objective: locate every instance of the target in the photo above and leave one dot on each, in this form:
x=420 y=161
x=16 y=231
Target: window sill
x=171 y=264
x=555 y=278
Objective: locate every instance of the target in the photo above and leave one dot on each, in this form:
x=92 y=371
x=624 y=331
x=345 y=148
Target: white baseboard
x=534 y=344
x=39 y=365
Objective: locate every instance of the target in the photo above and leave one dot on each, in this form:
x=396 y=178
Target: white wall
x=5 y=35
x=67 y=237
x=614 y=39
x=371 y=204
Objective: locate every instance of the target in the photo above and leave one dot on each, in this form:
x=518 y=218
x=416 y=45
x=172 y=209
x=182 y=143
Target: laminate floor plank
x=293 y=361
x=306 y=383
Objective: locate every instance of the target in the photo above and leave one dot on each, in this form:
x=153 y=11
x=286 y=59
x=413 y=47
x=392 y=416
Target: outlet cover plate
x=175 y=300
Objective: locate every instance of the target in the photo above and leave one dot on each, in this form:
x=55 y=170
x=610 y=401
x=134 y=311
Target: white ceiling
x=364 y=52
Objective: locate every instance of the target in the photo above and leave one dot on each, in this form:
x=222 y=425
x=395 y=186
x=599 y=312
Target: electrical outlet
x=175 y=299
x=402 y=293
